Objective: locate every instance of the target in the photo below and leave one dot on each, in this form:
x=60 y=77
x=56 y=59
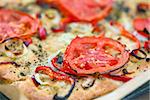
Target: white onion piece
x=10 y=54
x=37 y=78
x=113 y=29
x=88 y=82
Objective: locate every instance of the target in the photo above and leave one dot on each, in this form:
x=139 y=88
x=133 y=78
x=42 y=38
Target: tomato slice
x=16 y=24
x=88 y=55
x=80 y=11
x=83 y=10
x=142 y=24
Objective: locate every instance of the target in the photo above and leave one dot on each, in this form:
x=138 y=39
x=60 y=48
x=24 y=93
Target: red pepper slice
x=125 y=33
x=144 y=34
x=118 y=78
x=147 y=45
x=53 y=74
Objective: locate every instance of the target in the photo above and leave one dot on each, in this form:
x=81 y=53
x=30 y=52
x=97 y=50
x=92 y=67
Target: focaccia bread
x=46 y=56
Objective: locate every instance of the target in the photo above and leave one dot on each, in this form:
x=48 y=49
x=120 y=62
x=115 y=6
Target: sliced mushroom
x=88 y=82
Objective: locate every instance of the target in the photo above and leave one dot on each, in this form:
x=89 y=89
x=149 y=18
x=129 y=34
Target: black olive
x=109 y=18
x=6 y=48
x=125 y=71
x=40 y=46
x=60 y=60
x=22 y=74
x=126 y=9
x=146 y=31
x=56 y=28
x=147 y=59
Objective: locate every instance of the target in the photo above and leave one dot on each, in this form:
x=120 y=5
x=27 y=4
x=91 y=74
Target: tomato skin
x=141 y=23
x=142 y=26
x=84 y=10
x=71 y=9
x=17 y=24
x=78 y=55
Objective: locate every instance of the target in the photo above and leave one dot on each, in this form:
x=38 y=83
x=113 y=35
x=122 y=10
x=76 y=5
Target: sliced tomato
x=16 y=24
x=141 y=24
x=83 y=10
x=125 y=33
x=89 y=55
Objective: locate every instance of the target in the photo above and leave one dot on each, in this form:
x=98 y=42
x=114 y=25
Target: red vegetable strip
x=125 y=33
x=54 y=75
x=143 y=34
x=118 y=78
x=42 y=33
x=147 y=45
x=34 y=81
